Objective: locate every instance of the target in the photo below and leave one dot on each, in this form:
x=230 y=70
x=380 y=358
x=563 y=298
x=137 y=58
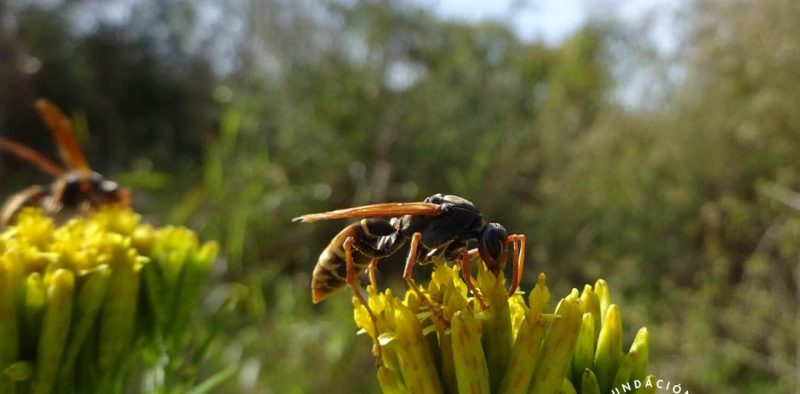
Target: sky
x=549 y=20
x=553 y=21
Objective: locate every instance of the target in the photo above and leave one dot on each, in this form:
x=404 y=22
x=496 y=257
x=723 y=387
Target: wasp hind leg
x=353 y=283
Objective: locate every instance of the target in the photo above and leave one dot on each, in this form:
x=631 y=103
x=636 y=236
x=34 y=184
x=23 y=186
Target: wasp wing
x=59 y=125
x=31 y=156
x=375 y=210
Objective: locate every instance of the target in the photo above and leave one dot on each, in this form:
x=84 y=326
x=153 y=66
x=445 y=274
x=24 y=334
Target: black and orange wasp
x=441 y=225
x=75 y=188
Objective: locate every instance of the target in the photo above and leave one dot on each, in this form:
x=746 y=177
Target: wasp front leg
x=464 y=262
x=518 y=243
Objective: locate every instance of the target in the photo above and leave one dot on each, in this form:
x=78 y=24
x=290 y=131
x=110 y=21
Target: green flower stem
x=472 y=373
x=446 y=290
x=526 y=348
x=55 y=327
x=448 y=363
x=391 y=381
x=609 y=349
x=8 y=322
x=623 y=374
x=193 y=275
x=416 y=362
x=567 y=387
x=556 y=352
x=589 y=383
x=169 y=254
x=34 y=300
x=583 y=356
x=591 y=304
x=524 y=357
x=118 y=314
x=634 y=361
x=87 y=305
x=496 y=337
x=155 y=290
x=604 y=298
x=641 y=346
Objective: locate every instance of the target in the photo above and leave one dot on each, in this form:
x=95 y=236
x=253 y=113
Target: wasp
x=440 y=226
x=75 y=188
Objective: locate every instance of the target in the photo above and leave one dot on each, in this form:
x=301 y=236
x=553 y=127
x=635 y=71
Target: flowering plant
x=77 y=300
x=512 y=346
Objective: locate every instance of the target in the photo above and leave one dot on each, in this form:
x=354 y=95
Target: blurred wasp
x=75 y=188
x=442 y=225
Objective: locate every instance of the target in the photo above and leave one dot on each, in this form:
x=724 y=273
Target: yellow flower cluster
x=511 y=347
x=75 y=298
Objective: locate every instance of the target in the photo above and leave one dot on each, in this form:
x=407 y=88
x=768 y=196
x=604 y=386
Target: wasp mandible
x=76 y=187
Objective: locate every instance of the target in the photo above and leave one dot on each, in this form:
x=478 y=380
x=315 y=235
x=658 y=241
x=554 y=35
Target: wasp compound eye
x=492 y=246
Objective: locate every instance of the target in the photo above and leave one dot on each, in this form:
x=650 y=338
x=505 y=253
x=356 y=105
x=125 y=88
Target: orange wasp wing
x=389 y=209
x=31 y=156
x=59 y=125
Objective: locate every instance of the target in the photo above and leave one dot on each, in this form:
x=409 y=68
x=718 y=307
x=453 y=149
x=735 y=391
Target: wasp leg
x=52 y=204
x=411 y=260
x=351 y=280
x=373 y=269
x=19 y=199
x=518 y=242
x=465 y=269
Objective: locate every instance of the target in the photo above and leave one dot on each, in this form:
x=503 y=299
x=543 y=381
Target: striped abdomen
x=330 y=273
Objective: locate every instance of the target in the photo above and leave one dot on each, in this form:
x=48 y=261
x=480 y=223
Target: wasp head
x=492 y=246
